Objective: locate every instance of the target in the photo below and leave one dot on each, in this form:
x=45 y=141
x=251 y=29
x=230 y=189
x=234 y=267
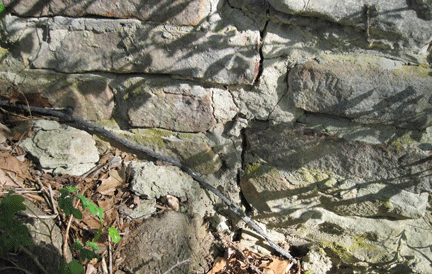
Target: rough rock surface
x=159 y=243
x=367 y=89
x=129 y=46
x=340 y=160
x=154 y=182
x=192 y=149
x=183 y=12
x=348 y=196
x=62 y=149
x=164 y=103
x=88 y=95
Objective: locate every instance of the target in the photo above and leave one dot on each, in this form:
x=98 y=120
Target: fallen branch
x=66 y=117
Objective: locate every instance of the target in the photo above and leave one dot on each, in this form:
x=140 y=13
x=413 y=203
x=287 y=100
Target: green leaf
x=68 y=190
x=75 y=267
x=88 y=254
x=114 y=234
x=77 y=245
x=94 y=209
x=2 y=7
x=93 y=246
x=11 y=205
x=98 y=234
x=77 y=214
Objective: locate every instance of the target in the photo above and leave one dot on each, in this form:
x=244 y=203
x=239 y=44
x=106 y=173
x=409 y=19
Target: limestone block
x=130 y=46
x=398 y=18
x=164 y=103
x=290 y=169
x=154 y=182
x=191 y=149
x=62 y=149
x=183 y=12
x=87 y=94
x=368 y=245
x=367 y=89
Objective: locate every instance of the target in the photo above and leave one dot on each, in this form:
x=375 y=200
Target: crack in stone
x=260 y=51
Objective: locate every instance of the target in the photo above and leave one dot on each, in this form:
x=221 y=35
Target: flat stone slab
x=131 y=46
x=62 y=149
x=154 y=182
x=191 y=149
x=410 y=19
x=369 y=90
x=162 y=102
x=88 y=95
x=183 y=12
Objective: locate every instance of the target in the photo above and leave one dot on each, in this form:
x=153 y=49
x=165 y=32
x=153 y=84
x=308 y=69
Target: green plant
x=2 y=7
x=15 y=234
x=65 y=203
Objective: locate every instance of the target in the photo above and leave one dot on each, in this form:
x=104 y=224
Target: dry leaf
x=109 y=185
x=4 y=133
x=91 y=269
x=276 y=266
x=218 y=266
x=6 y=181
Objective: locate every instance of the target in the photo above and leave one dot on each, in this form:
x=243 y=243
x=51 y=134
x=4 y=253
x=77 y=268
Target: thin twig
x=35 y=216
x=66 y=117
x=54 y=208
x=109 y=256
x=176 y=265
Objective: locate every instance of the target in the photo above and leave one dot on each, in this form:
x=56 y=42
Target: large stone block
x=367 y=89
x=357 y=201
x=88 y=95
x=399 y=17
x=164 y=103
x=191 y=149
x=130 y=46
x=180 y=12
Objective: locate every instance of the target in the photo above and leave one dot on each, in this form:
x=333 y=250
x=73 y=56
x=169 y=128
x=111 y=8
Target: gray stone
x=144 y=210
x=224 y=108
x=191 y=149
x=62 y=149
x=183 y=12
x=365 y=245
x=296 y=168
x=128 y=46
x=160 y=243
x=269 y=99
x=304 y=38
x=154 y=182
x=395 y=18
x=316 y=261
x=364 y=89
x=347 y=129
x=88 y=95
x=164 y=103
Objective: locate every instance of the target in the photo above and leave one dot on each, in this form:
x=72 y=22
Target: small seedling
x=14 y=232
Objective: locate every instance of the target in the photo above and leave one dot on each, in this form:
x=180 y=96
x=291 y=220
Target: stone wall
x=318 y=113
